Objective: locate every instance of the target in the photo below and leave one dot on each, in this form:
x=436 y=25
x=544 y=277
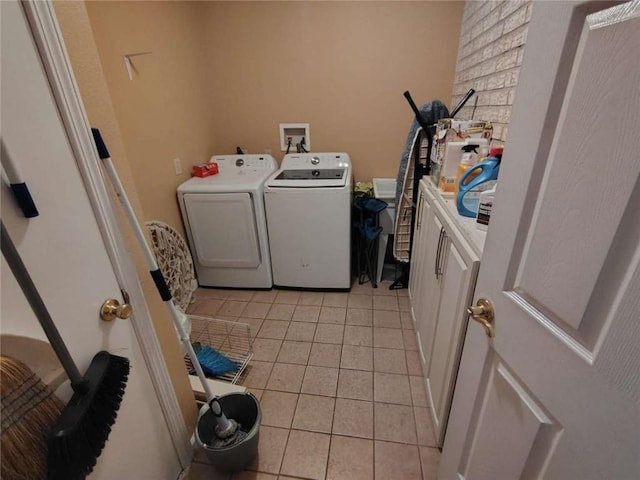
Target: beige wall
x=76 y=30
x=340 y=66
x=225 y=74
x=164 y=112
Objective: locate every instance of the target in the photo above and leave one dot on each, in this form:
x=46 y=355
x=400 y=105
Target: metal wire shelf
x=232 y=339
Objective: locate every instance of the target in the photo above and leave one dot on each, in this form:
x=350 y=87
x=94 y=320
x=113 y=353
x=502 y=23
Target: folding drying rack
x=417 y=166
x=232 y=339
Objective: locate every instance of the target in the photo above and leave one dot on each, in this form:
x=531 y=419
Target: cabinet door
x=429 y=293
x=416 y=249
x=457 y=283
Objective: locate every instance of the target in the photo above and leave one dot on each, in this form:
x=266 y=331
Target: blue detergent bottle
x=475 y=180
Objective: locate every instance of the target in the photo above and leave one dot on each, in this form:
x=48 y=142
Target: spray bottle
x=477 y=179
x=468 y=160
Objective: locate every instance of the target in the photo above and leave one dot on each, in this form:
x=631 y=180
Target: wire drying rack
x=232 y=339
x=419 y=156
x=417 y=167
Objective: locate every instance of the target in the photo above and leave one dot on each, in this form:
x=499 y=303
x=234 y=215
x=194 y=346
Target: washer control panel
x=316 y=161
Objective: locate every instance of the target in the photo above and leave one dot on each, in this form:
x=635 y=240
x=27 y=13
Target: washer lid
x=309 y=178
x=312 y=170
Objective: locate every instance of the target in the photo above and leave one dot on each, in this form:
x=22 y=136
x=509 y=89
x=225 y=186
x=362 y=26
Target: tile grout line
x=339 y=367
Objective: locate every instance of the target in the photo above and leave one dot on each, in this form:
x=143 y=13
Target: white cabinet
x=417 y=278
x=445 y=260
x=424 y=285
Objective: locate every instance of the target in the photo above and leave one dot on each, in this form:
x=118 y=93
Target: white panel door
x=420 y=275
x=448 y=327
x=63 y=250
x=417 y=251
x=430 y=287
x=556 y=393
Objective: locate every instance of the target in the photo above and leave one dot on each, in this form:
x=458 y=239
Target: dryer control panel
x=253 y=161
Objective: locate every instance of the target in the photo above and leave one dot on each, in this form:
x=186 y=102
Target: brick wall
x=490 y=53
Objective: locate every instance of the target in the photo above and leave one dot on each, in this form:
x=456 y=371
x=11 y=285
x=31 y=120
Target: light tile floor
x=339 y=381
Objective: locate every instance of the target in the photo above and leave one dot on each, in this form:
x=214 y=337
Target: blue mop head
x=214 y=363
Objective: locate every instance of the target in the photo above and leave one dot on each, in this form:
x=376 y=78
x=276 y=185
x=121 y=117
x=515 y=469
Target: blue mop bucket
x=245 y=409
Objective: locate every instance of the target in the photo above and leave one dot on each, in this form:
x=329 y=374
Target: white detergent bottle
x=485 y=207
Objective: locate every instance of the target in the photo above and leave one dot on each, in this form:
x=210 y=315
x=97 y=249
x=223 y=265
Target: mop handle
x=161 y=285
x=20 y=272
x=18 y=185
x=155 y=272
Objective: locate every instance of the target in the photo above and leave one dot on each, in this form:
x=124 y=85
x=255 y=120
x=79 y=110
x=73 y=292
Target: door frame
x=50 y=44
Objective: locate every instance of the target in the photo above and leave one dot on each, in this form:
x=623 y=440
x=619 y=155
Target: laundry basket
x=231 y=339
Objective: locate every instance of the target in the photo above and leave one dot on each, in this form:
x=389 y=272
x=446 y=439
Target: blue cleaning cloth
x=370 y=231
x=214 y=363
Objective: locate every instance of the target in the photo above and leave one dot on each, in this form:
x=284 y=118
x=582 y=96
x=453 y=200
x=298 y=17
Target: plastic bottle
x=484 y=152
x=485 y=208
x=449 y=166
x=469 y=159
x=485 y=177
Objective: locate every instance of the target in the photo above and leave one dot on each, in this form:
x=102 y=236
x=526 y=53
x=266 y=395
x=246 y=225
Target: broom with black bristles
x=79 y=435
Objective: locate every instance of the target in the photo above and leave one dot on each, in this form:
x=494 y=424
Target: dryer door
x=223 y=229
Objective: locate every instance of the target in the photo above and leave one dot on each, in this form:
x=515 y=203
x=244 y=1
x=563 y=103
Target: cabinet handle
x=420 y=209
x=443 y=249
x=443 y=253
x=437 y=265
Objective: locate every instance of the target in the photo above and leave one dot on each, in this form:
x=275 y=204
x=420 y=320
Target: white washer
x=308 y=203
x=225 y=222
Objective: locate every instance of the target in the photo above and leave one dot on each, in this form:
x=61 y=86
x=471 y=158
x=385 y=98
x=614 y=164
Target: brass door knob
x=111 y=309
x=482 y=313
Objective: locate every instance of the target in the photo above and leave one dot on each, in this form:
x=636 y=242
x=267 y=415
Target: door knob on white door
x=111 y=309
x=482 y=313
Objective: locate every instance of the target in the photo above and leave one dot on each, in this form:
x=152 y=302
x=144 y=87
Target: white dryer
x=225 y=222
x=308 y=204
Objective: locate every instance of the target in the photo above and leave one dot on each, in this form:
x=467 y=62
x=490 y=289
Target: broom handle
x=156 y=274
x=78 y=383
